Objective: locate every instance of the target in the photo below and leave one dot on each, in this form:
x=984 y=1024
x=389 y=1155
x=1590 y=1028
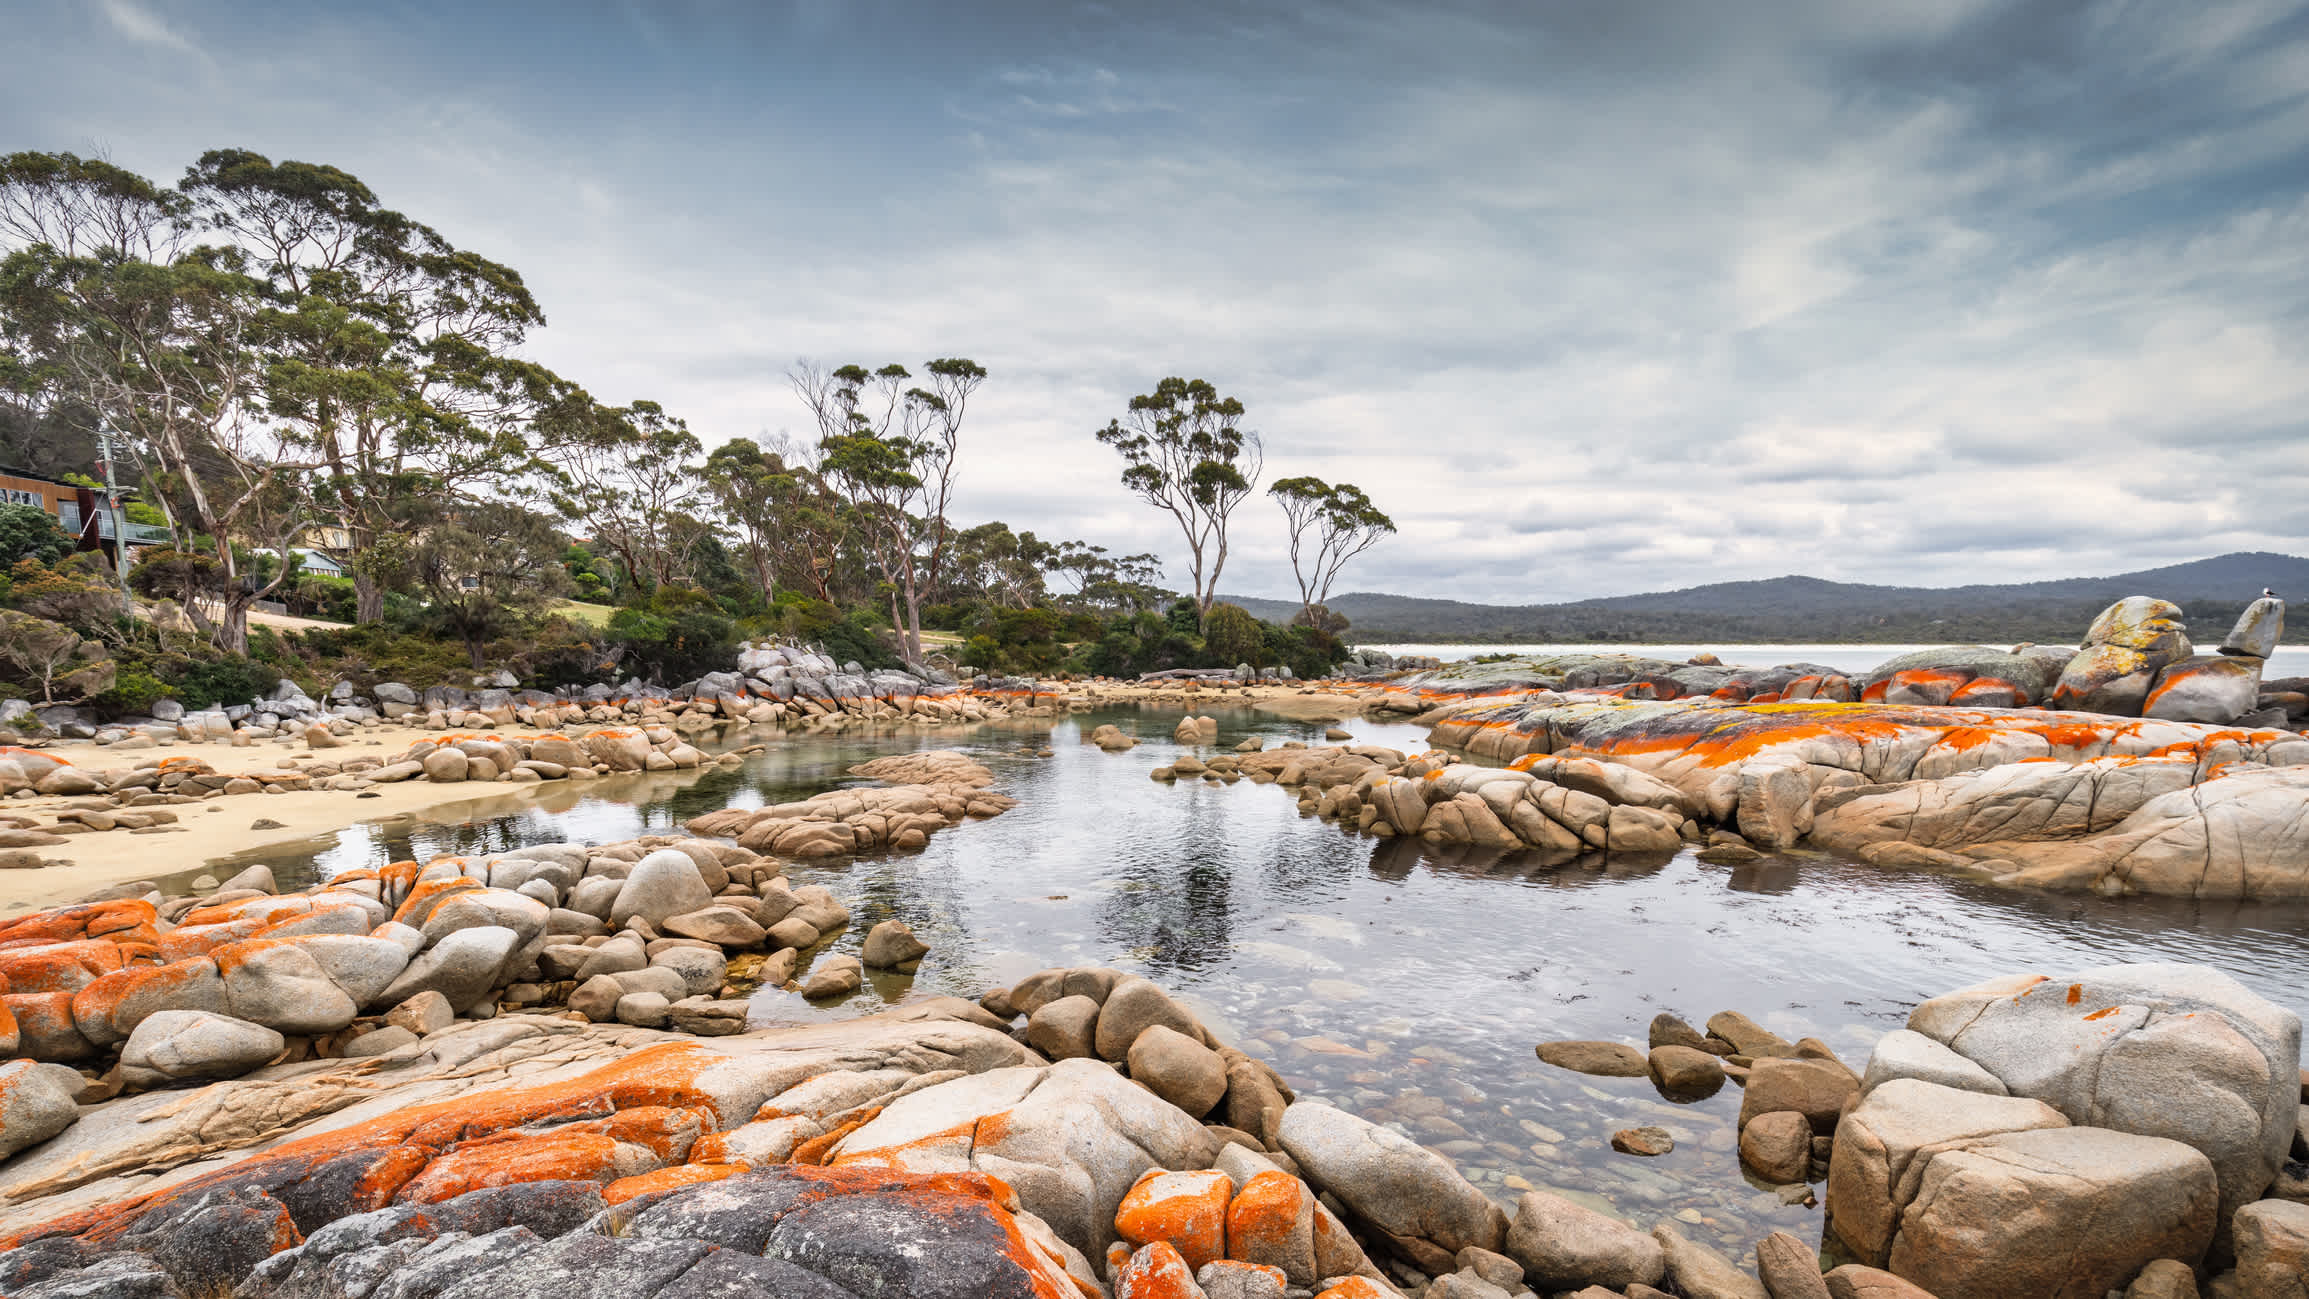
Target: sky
x=1591 y=298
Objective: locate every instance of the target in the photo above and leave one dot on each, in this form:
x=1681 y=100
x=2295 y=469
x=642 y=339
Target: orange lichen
x=1268 y=1217
x=400 y=1143
x=821 y=1147
x=1156 y=1272
x=124 y=920
x=59 y=967
x=429 y=894
x=667 y=1179
x=1187 y=1210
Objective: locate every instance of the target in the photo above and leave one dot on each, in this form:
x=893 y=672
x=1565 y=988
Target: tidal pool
x=1403 y=982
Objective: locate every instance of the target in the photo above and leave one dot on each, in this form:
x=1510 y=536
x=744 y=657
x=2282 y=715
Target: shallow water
x=1404 y=982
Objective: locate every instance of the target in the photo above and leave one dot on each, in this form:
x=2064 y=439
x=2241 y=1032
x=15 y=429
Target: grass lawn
x=595 y=615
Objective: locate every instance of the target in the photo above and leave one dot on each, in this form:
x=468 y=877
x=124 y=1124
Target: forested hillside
x=1795 y=609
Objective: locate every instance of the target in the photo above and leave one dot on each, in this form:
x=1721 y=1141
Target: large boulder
x=1409 y=1192
x=1134 y=1006
x=1564 y=1246
x=1179 y=1069
x=1071 y=1138
x=2272 y=1238
x=2205 y=688
x=463 y=967
x=177 y=1044
x=2177 y=1051
x=2124 y=650
x=2258 y=629
x=37 y=1101
x=662 y=885
x=1886 y=1143
x=2067 y=1213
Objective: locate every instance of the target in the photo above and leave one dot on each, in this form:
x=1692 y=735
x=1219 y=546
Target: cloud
x=1592 y=299
x=143 y=26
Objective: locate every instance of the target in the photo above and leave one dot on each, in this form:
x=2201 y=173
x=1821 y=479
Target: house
x=78 y=511
x=317 y=563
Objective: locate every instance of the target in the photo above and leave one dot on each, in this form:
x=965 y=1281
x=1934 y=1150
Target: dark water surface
x=1403 y=982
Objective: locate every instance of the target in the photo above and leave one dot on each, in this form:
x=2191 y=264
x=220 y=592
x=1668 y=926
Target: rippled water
x=1388 y=976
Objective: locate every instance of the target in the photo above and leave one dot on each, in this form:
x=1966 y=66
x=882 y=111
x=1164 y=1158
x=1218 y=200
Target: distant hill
x=1796 y=609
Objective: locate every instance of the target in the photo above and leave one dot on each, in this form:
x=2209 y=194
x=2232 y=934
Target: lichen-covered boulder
x=2205 y=688
x=2124 y=650
x=2259 y=629
x=1072 y=1139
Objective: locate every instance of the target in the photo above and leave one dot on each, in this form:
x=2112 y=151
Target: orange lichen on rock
x=392 y=1150
x=123 y=920
x=187 y=941
x=429 y=894
x=1272 y=1221
x=59 y=967
x=819 y=1148
x=1188 y=1210
x=667 y=1179
x=1156 y=1271
x=1356 y=1287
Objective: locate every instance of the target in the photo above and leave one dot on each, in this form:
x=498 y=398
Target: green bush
x=225 y=681
x=1231 y=636
x=28 y=532
x=684 y=644
x=134 y=691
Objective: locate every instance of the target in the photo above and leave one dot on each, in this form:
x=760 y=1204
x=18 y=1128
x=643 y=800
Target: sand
x=221 y=827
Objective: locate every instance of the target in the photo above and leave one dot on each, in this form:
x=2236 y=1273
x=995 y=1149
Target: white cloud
x=143 y=26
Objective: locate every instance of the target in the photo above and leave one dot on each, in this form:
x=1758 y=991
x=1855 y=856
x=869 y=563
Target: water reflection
x=1405 y=981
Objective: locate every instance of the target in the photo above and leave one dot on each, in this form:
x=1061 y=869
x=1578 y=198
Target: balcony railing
x=139 y=534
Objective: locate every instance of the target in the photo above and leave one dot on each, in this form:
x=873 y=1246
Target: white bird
x=2268 y=594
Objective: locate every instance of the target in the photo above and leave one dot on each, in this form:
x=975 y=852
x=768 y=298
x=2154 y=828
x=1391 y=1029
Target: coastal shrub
x=315 y=595
x=50 y=660
x=225 y=681
x=682 y=645
x=1231 y=636
x=133 y=693
x=28 y=532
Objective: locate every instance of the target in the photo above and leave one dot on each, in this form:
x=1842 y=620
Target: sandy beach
x=221 y=827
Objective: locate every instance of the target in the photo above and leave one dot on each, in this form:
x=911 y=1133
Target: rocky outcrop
x=2059 y=800
x=1561 y=808
x=611 y=1164
x=945 y=789
x=2136 y=661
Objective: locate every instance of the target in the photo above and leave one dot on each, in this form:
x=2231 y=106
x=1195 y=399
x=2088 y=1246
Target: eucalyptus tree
x=626 y=473
x=1329 y=525
x=162 y=341
x=486 y=567
x=788 y=523
x=889 y=447
x=390 y=353
x=1185 y=452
